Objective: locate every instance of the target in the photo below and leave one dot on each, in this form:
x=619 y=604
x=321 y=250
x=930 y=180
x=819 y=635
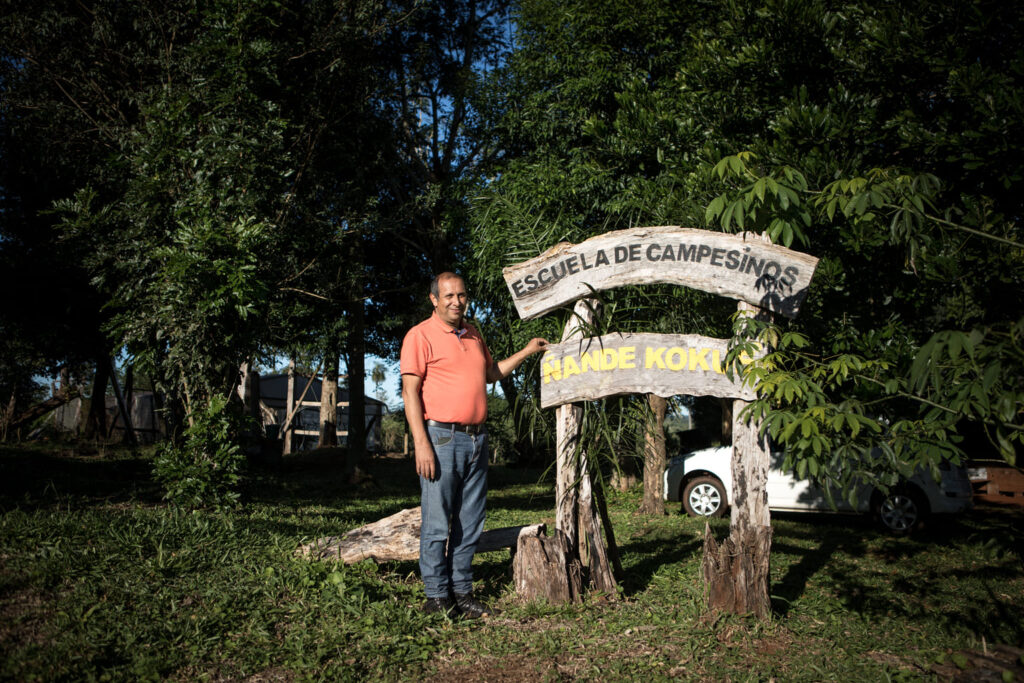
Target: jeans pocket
x=442 y=440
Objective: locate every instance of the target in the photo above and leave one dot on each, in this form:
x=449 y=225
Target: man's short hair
x=435 y=287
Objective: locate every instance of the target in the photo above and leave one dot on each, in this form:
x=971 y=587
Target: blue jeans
x=453 y=511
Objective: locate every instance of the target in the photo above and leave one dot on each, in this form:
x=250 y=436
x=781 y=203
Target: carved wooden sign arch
x=741 y=267
x=735 y=266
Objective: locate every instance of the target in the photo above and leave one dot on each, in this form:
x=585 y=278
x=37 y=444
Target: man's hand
x=425 y=460
x=535 y=345
x=501 y=369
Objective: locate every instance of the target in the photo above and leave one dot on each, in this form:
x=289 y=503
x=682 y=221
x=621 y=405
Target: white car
x=702 y=480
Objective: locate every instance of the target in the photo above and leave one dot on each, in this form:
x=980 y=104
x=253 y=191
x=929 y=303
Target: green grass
x=99 y=580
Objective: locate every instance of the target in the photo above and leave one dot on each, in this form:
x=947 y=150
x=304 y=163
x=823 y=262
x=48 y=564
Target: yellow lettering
x=609 y=359
x=627 y=354
x=716 y=362
x=652 y=358
x=591 y=360
x=552 y=370
x=746 y=358
x=569 y=367
x=699 y=358
x=680 y=358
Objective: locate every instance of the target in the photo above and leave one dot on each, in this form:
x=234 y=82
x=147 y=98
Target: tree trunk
x=601 y=575
x=289 y=409
x=654 y=457
x=356 y=440
x=567 y=430
x=726 y=420
x=96 y=418
x=736 y=573
x=7 y=417
x=129 y=396
x=577 y=519
x=126 y=415
x=329 y=401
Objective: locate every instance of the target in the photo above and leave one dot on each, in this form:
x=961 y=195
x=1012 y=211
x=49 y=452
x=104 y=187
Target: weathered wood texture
x=626 y=363
x=736 y=573
x=597 y=552
x=567 y=432
x=545 y=568
x=736 y=266
x=576 y=512
x=397 y=538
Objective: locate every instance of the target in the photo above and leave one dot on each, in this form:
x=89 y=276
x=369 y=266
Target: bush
x=204 y=470
x=501 y=430
x=392 y=432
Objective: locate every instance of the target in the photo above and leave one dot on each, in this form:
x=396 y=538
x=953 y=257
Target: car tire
x=704 y=497
x=902 y=511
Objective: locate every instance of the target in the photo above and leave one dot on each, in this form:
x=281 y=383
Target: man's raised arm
x=502 y=369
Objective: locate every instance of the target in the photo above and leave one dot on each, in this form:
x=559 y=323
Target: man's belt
x=469 y=429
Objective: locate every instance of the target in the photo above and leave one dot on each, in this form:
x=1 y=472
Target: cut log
x=397 y=538
x=546 y=569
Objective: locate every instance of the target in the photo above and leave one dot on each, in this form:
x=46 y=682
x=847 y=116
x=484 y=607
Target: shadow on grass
x=918 y=578
x=657 y=552
x=32 y=479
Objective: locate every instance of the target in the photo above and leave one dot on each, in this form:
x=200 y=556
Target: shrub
x=203 y=470
x=392 y=432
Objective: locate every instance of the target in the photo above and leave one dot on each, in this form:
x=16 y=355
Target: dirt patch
x=496 y=670
x=22 y=619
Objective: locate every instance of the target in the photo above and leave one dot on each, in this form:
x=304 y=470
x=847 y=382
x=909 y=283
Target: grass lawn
x=99 y=580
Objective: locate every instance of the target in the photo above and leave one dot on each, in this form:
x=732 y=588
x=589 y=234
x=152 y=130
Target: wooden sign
x=613 y=364
x=736 y=266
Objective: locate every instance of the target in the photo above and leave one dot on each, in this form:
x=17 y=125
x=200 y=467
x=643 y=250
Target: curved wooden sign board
x=614 y=364
x=735 y=266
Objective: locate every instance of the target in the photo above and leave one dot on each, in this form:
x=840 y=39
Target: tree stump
x=546 y=568
x=736 y=571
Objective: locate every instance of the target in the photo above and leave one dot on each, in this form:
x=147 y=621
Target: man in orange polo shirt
x=445 y=368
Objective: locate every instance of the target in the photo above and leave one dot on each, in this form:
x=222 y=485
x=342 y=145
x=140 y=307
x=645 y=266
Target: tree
x=201 y=168
x=654 y=457
x=876 y=136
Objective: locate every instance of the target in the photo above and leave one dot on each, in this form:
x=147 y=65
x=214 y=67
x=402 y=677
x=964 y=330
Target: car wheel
x=902 y=511
x=704 y=497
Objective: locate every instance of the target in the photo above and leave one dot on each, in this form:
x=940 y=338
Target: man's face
x=451 y=301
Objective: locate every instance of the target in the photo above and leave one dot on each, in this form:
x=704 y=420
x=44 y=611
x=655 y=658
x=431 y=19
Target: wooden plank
x=735 y=266
x=627 y=363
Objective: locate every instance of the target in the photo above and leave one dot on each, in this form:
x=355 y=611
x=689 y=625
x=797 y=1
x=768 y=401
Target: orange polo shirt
x=453 y=368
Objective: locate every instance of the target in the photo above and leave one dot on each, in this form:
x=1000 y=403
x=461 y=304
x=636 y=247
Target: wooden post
x=601 y=575
x=576 y=515
x=289 y=409
x=567 y=427
x=736 y=572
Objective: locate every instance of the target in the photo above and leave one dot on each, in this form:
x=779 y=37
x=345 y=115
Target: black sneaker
x=471 y=608
x=435 y=605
